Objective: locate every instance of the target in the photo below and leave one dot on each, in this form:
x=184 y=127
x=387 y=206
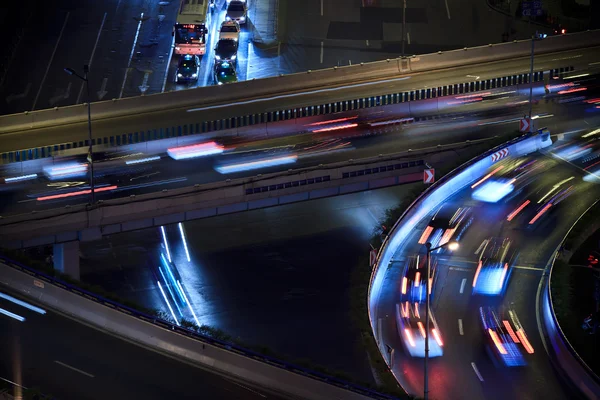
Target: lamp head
x=69 y=71
x=453 y=245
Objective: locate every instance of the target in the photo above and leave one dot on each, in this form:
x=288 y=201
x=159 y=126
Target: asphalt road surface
x=465 y=370
x=205 y=112
x=73 y=361
x=482 y=120
x=105 y=35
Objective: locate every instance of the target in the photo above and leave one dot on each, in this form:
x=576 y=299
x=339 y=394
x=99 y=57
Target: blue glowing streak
x=189 y=304
x=170 y=273
x=187 y=254
x=168 y=304
x=142 y=160
x=20 y=178
x=490 y=281
x=250 y=165
x=164 y=235
x=22 y=303
x=170 y=291
x=12 y=315
x=492 y=191
x=66 y=170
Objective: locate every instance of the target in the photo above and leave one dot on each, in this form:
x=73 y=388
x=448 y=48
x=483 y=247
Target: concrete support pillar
x=66 y=258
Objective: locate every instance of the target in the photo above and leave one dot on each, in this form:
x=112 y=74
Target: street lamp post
x=451 y=246
x=531 y=81
x=403 y=27
x=86 y=70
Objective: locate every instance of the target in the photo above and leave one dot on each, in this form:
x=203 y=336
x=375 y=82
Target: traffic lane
x=114 y=50
x=171 y=174
x=201 y=170
x=74 y=49
x=159 y=118
x=498 y=381
x=107 y=367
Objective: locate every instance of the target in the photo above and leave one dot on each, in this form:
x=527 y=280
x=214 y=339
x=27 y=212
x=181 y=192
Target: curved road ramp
x=451 y=372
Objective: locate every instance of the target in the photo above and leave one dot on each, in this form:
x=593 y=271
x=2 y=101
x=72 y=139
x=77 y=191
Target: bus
x=190 y=29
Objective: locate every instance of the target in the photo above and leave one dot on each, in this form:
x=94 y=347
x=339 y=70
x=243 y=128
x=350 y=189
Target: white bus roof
x=192 y=11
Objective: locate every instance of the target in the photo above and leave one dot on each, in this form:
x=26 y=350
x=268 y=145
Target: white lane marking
x=74 y=369
x=92 y=56
x=531 y=268
x=460 y=327
x=250 y=390
x=137 y=33
x=462 y=285
x=285 y=96
x=321 y=52
x=321 y=8
x=477 y=371
x=408 y=37
x=481 y=246
x=447 y=8
x=367 y=42
x=50 y=62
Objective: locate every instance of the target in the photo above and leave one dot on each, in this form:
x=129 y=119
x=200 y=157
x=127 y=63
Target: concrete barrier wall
x=201 y=201
x=432 y=198
x=213 y=95
x=163 y=337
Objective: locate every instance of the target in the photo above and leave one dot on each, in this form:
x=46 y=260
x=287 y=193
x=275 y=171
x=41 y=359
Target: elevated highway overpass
x=258 y=108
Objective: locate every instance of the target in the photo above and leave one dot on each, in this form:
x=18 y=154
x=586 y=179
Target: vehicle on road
x=225 y=73
x=226 y=50
x=190 y=29
x=494 y=266
x=230 y=30
x=447 y=224
x=505 y=339
x=188 y=69
x=414 y=279
x=237 y=11
x=410 y=320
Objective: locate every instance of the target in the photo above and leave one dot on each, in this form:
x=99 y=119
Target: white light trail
x=20 y=178
x=142 y=160
x=168 y=304
x=187 y=254
x=189 y=304
x=22 y=303
x=164 y=235
x=12 y=315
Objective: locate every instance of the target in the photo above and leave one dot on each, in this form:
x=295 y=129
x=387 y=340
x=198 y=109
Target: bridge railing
x=47 y=279
x=297 y=82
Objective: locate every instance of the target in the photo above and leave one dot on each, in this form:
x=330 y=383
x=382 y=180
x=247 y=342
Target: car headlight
x=194 y=75
x=219 y=83
x=233 y=57
x=177 y=48
x=227 y=18
x=180 y=75
x=242 y=18
x=217 y=57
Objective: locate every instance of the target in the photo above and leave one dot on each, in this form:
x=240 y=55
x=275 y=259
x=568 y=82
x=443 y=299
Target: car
x=494 y=266
x=226 y=50
x=236 y=11
x=188 y=69
x=225 y=73
x=447 y=224
x=504 y=337
x=230 y=30
x=410 y=321
x=412 y=287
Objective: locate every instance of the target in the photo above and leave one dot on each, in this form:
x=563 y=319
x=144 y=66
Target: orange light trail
x=437 y=337
x=425 y=235
x=421 y=329
x=409 y=337
x=335 y=128
x=485 y=178
x=538 y=215
x=73 y=194
x=333 y=121
x=517 y=211
x=477 y=274
x=510 y=330
x=524 y=341
x=497 y=342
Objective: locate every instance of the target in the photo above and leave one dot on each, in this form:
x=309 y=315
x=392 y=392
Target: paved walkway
x=264 y=47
